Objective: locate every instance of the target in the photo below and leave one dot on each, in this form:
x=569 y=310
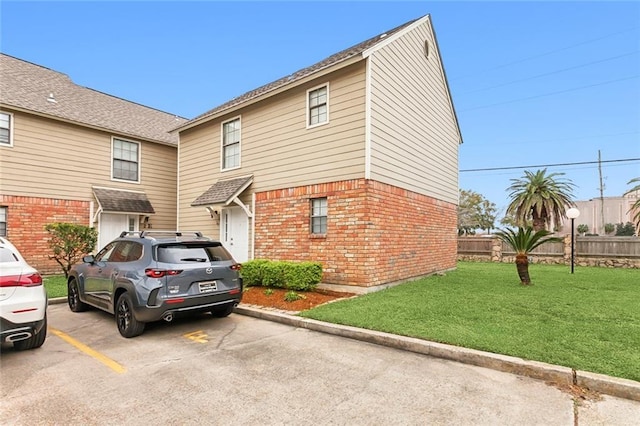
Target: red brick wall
x=26 y=218
x=376 y=233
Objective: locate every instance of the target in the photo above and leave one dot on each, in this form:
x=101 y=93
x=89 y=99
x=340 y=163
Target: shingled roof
x=330 y=61
x=37 y=89
x=119 y=200
x=223 y=192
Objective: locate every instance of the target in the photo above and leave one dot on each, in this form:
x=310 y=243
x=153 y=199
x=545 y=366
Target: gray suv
x=147 y=276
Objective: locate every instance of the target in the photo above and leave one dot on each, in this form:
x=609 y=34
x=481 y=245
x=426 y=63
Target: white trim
x=253 y=226
x=390 y=39
x=320 y=86
x=244 y=207
x=367 y=120
x=11 y=127
x=222 y=169
x=113 y=138
x=178 y=185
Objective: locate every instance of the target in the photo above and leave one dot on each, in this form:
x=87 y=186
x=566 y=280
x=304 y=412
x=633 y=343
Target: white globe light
x=573 y=213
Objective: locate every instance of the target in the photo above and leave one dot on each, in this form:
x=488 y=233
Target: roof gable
x=29 y=87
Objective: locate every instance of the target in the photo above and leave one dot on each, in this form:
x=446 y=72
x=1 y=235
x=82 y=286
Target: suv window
x=189 y=253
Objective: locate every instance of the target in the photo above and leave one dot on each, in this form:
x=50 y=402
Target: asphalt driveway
x=243 y=370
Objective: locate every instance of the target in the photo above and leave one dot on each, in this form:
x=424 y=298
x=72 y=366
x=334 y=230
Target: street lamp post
x=572 y=214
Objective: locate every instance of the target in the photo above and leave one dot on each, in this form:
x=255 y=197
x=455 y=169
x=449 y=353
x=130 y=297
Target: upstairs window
x=319 y=216
x=231 y=144
x=126 y=160
x=318 y=106
x=6 y=134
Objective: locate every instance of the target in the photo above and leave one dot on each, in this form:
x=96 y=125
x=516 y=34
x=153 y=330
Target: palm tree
x=523 y=242
x=541 y=198
x=636 y=205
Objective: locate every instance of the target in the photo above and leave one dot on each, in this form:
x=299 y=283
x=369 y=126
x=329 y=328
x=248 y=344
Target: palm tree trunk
x=522 y=265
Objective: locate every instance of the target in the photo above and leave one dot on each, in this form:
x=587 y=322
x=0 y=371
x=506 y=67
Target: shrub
x=273 y=274
x=299 y=276
x=609 y=228
x=292 y=296
x=252 y=272
x=626 y=230
x=69 y=242
x=582 y=228
x=268 y=292
x=303 y=276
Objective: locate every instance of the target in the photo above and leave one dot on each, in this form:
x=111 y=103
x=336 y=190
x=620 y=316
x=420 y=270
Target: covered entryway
x=219 y=201
x=119 y=210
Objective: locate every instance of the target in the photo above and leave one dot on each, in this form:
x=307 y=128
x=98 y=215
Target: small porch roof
x=122 y=201
x=223 y=192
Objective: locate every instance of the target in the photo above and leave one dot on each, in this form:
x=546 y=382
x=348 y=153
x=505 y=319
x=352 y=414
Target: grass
x=587 y=321
x=56 y=286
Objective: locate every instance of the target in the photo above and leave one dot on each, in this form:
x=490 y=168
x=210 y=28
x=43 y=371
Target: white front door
x=111 y=225
x=234 y=230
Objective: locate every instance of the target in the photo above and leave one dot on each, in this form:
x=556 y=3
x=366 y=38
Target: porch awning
x=223 y=192
x=123 y=201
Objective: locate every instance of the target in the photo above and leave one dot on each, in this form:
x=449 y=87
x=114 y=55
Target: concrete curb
x=613 y=386
x=622 y=388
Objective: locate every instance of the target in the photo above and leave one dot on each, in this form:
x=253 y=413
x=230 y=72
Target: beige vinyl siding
x=414 y=134
x=276 y=147
x=51 y=159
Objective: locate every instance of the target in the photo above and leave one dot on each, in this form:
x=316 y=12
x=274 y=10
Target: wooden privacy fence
x=616 y=252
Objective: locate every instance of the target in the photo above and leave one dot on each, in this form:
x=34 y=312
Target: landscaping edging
x=622 y=388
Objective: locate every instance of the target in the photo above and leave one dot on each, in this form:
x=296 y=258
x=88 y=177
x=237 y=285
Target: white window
x=318 y=106
x=319 y=216
x=6 y=131
x=231 y=144
x=3 y=221
x=126 y=160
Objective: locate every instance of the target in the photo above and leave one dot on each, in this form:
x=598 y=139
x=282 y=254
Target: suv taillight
x=236 y=267
x=159 y=273
x=28 y=280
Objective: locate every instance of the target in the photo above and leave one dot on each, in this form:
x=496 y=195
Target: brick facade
x=376 y=233
x=26 y=218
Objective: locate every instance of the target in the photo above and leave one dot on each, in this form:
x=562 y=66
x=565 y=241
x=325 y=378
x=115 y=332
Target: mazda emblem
x=209 y=270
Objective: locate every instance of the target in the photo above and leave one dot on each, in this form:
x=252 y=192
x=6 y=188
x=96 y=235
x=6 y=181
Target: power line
x=550 y=73
x=551 y=93
x=550 y=165
x=546 y=53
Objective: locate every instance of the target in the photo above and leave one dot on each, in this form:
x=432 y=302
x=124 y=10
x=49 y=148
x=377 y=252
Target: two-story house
x=352 y=162
x=73 y=154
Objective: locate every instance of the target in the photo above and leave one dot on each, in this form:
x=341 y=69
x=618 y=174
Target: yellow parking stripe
x=87 y=350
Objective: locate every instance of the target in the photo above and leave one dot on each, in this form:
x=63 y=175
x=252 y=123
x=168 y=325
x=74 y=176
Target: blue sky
x=533 y=83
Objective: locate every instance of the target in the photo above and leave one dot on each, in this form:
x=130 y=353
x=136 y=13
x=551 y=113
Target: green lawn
x=56 y=286
x=587 y=321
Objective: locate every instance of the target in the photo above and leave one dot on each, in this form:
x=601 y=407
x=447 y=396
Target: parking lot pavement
x=244 y=370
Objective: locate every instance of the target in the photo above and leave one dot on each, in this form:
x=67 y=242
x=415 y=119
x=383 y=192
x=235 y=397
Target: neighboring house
x=614 y=210
x=72 y=154
x=352 y=162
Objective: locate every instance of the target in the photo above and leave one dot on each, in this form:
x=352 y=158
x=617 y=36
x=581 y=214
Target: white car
x=23 y=300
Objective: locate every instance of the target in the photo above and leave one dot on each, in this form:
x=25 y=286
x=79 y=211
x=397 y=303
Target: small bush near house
x=609 y=228
x=299 y=276
x=252 y=272
x=582 y=228
x=69 y=242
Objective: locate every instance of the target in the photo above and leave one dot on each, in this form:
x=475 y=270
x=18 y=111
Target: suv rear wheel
x=127 y=324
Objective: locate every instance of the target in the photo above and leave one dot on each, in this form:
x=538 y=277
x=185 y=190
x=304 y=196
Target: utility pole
x=601 y=194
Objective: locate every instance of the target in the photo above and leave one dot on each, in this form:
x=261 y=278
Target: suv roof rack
x=142 y=234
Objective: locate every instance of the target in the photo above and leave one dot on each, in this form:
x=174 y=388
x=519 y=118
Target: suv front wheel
x=127 y=324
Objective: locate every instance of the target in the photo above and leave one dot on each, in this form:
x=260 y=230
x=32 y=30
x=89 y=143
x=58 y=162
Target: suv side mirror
x=88 y=259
